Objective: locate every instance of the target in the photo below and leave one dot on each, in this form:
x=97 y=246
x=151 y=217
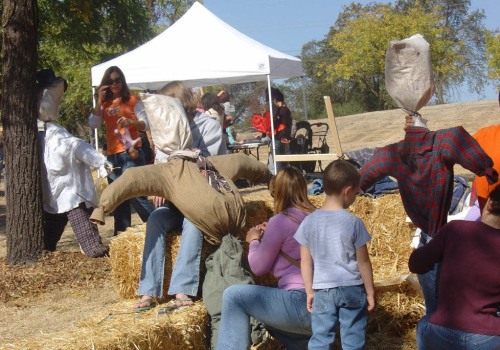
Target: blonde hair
x=290 y=191
x=180 y=91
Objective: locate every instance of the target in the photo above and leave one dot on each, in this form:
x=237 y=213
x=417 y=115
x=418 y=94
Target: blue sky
x=286 y=25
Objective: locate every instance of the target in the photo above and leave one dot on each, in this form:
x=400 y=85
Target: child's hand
x=310 y=299
x=371 y=303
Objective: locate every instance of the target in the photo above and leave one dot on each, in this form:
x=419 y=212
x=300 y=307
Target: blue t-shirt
x=333 y=236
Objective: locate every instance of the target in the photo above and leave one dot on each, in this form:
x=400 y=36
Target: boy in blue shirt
x=335 y=264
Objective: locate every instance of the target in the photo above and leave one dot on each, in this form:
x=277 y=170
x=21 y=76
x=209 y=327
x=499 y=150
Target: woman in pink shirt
x=272 y=249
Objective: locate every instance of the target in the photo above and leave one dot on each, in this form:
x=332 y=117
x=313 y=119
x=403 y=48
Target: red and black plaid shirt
x=423 y=164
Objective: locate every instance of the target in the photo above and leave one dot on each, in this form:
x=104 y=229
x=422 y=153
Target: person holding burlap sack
x=186 y=177
x=423 y=161
x=171 y=109
x=175 y=125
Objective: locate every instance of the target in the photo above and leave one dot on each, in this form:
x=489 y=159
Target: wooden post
x=318 y=156
x=333 y=126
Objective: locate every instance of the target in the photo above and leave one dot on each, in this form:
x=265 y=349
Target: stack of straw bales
x=126 y=259
x=119 y=328
x=390 y=327
x=400 y=304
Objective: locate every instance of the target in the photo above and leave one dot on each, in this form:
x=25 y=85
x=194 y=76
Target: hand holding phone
x=109 y=93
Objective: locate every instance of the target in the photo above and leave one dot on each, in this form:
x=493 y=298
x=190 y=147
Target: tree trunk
x=23 y=170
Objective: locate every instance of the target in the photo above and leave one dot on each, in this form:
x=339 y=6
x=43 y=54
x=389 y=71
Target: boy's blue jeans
x=347 y=305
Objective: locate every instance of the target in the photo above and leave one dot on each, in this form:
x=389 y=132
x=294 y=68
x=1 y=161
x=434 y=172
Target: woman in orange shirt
x=124 y=116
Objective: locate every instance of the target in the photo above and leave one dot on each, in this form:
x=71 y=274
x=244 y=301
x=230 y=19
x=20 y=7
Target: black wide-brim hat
x=47 y=77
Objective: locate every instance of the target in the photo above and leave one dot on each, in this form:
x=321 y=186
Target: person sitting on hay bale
x=468 y=308
x=272 y=249
x=67 y=183
x=175 y=126
x=422 y=163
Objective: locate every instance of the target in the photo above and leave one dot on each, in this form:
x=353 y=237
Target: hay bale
x=119 y=328
x=385 y=220
x=400 y=305
x=269 y=343
x=125 y=257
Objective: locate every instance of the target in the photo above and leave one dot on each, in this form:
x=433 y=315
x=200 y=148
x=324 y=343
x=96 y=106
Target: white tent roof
x=201 y=50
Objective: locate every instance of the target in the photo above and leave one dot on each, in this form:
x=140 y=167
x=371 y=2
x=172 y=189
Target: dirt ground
x=66 y=287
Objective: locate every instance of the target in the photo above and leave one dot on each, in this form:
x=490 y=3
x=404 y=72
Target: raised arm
x=147 y=180
x=240 y=166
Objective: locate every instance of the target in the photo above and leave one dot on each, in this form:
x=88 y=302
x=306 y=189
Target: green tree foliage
x=166 y=12
x=362 y=34
x=466 y=31
x=493 y=53
x=77 y=34
x=345 y=95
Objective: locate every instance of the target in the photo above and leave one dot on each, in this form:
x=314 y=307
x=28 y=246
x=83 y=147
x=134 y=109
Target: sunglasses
x=114 y=81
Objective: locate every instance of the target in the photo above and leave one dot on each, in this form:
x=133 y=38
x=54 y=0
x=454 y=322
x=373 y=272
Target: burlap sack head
x=408 y=73
x=168 y=122
x=49 y=100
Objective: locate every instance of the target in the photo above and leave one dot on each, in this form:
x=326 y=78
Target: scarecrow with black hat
x=67 y=183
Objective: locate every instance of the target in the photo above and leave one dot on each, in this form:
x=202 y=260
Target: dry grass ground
x=66 y=288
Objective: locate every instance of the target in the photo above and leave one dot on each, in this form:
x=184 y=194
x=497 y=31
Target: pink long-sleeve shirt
x=264 y=256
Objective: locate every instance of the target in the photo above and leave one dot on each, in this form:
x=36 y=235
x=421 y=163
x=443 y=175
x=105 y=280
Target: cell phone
x=109 y=93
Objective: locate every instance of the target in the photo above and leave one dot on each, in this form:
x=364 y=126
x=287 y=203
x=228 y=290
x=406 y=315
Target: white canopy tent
x=201 y=50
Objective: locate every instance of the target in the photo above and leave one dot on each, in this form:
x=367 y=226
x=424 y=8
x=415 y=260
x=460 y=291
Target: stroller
x=309 y=138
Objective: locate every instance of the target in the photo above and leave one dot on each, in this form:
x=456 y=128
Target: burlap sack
x=49 y=102
x=168 y=122
x=408 y=73
x=179 y=181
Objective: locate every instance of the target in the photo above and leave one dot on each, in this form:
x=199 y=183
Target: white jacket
x=67 y=179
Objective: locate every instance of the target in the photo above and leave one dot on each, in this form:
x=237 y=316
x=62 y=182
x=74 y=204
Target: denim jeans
x=347 y=305
x=434 y=337
x=122 y=213
x=280 y=148
x=429 y=281
x=186 y=271
x=283 y=312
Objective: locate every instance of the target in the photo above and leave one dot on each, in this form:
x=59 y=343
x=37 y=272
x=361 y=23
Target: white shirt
x=67 y=180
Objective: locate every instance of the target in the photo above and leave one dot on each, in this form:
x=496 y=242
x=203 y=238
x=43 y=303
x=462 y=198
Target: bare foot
x=146 y=302
x=183 y=300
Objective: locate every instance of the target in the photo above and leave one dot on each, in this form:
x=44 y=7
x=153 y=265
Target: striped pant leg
x=86 y=232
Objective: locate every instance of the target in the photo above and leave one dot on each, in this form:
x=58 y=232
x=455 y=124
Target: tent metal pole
x=304 y=102
x=272 y=120
x=95 y=130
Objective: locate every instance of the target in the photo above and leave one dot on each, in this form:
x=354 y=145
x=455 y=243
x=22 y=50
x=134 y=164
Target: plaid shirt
x=423 y=164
